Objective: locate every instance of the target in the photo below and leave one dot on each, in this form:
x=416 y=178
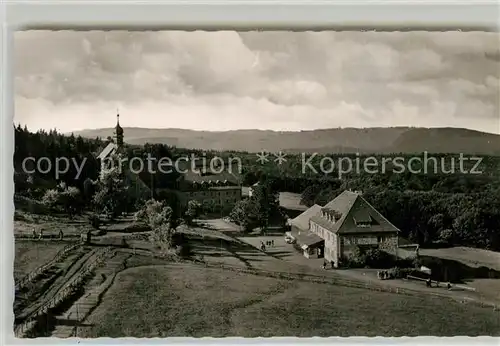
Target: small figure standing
x=272 y=243
x=40 y=235
x=34 y=234
x=61 y=235
x=428 y=283
x=448 y=286
x=324 y=265
x=262 y=246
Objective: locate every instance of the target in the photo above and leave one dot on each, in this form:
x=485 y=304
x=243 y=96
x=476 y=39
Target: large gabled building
x=216 y=191
x=336 y=229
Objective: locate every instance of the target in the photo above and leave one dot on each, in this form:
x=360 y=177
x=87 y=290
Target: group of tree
x=260 y=210
x=430 y=217
x=43 y=147
x=67 y=199
x=163 y=224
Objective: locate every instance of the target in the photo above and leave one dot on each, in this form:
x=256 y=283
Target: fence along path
x=34 y=274
x=57 y=295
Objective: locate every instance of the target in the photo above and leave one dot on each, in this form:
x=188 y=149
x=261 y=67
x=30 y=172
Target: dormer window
x=363 y=220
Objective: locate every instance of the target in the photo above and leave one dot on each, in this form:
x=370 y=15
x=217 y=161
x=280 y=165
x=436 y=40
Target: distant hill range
x=340 y=140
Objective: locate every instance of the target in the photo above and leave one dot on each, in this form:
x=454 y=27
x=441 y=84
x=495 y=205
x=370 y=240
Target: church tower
x=118 y=133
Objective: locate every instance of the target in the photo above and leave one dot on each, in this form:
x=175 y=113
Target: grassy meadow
x=179 y=300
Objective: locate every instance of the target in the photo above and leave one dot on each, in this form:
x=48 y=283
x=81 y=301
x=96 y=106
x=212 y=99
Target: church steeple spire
x=118 y=131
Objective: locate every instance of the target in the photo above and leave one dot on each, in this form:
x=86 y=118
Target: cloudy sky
x=267 y=80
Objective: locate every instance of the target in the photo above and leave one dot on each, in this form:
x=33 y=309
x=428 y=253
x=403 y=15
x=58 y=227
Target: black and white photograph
x=256 y=183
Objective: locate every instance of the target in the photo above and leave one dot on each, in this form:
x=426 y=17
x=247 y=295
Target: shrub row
x=397 y=273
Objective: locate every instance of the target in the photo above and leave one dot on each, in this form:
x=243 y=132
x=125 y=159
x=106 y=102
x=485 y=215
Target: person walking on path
x=61 y=235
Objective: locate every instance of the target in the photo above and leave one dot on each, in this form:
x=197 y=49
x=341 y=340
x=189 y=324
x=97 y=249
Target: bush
x=51 y=198
x=446 y=236
x=194 y=209
x=350 y=261
x=140 y=215
x=68 y=199
x=371 y=258
x=401 y=273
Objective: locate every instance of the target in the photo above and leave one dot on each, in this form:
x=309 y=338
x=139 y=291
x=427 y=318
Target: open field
x=191 y=301
x=194 y=300
x=469 y=256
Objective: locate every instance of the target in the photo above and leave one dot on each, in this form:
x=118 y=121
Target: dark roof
x=291 y=201
x=351 y=204
x=302 y=221
x=223 y=177
x=118 y=129
x=362 y=215
x=306 y=238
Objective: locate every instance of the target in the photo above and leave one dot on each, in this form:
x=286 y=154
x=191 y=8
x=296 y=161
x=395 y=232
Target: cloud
x=269 y=80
